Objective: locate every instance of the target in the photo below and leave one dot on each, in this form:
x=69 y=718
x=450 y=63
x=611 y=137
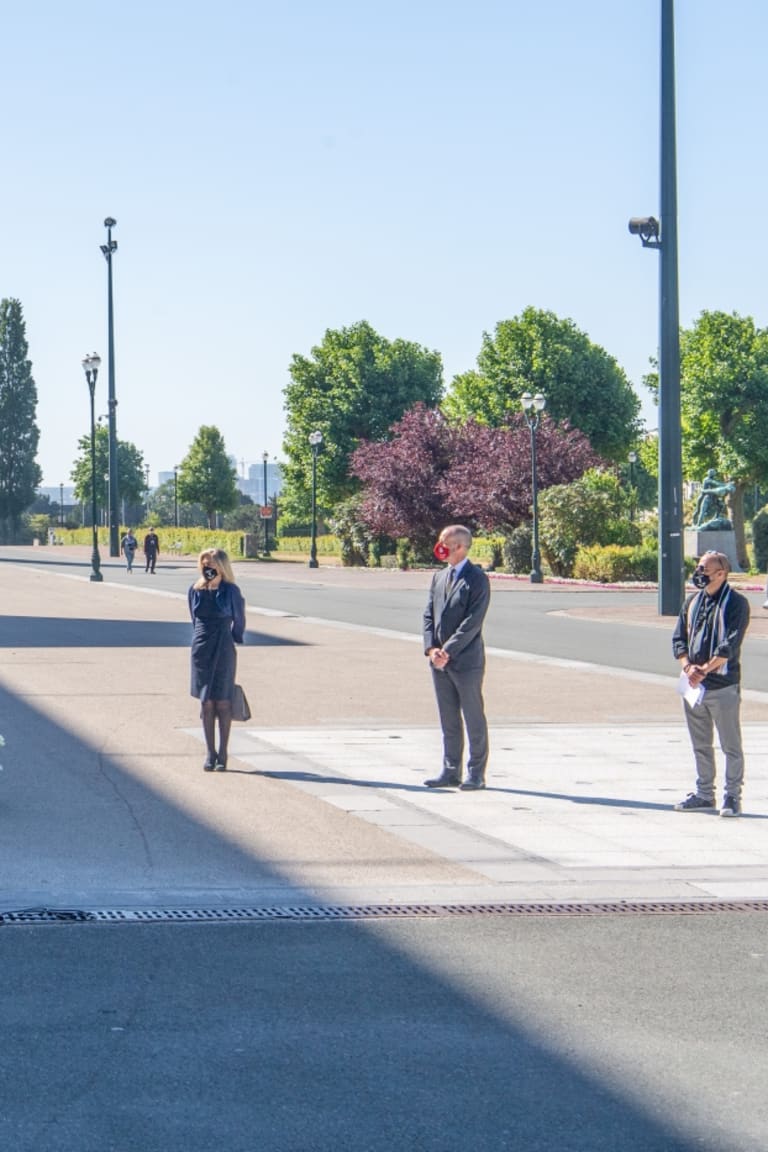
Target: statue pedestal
x=695 y=543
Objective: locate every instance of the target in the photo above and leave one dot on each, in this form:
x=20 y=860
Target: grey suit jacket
x=454 y=621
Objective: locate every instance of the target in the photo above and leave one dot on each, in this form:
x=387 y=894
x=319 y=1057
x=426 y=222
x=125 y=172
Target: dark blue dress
x=218 y=619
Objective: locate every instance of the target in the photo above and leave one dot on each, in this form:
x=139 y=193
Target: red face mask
x=440 y=551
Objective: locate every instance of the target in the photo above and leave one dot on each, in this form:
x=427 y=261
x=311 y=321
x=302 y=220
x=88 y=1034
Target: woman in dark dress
x=217 y=609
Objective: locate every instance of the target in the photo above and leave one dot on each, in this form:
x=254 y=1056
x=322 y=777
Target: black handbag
x=240 y=707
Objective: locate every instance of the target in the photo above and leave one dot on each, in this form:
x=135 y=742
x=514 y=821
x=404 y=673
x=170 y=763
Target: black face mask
x=700 y=578
x=210 y=573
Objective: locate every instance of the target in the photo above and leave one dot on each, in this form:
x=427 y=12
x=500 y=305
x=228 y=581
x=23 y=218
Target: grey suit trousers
x=461 y=694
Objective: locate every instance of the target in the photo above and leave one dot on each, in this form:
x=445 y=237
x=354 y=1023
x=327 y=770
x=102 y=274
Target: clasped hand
x=439 y=658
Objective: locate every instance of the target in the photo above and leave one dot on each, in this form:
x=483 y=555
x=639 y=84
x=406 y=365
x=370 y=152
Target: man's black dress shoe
x=472 y=784
x=210 y=763
x=445 y=780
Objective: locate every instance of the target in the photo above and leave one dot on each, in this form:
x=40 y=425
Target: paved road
x=604 y=1034
x=548 y=620
x=523 y=1033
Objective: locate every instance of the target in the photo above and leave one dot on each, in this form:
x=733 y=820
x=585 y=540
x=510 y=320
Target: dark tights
x=210 y=712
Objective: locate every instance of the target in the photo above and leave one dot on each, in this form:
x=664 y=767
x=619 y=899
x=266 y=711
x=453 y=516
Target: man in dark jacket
x=707 y=642
x=151 y=550
x=453 y=644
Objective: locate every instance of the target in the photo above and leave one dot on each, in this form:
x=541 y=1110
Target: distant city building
x=253 y=486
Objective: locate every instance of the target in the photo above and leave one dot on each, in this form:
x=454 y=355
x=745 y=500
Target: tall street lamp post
x=146 y=490
x=176 y=495
x=61 y=505
x=663 y=236
x=114 y=504
x=533 y=406
x=632 y=458
x=315 y=440
x=91 y=365
x=264 y=458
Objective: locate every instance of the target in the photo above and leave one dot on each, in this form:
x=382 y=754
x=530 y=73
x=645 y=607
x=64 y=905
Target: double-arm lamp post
x=91 y=365
x=533 y=406
x=315 y=440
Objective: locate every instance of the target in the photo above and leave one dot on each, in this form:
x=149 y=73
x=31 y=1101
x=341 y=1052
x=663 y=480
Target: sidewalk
x=103 y=802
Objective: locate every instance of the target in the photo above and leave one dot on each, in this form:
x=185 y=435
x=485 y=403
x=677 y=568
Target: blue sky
x=431 y=166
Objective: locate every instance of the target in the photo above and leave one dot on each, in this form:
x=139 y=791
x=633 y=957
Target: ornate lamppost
x=91 y=365
x=315 y=440
x=533 y=406
x=176 y=495
x=264 y=459
x=632 y=458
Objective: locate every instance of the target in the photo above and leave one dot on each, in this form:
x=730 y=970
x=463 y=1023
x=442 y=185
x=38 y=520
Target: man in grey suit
x=453 y=644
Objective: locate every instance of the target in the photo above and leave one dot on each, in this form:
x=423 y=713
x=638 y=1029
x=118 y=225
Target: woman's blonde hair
x=214 y=558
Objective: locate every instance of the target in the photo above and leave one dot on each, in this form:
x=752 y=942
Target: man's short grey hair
x=459 y=530
x=721 y=558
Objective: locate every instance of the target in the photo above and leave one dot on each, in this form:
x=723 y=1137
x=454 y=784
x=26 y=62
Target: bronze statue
x=711 y=514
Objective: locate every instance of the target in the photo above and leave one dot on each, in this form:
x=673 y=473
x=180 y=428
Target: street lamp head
x=632 y=457
x=526 y=401
x=110 y=222
x=92 y=362
x=265 y=456
x=648 y=229
x=316 y=439
x=539 y=401
x=535 y=403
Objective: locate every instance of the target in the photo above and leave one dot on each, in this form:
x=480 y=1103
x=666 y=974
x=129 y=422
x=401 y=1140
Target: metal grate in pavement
x=324 y=912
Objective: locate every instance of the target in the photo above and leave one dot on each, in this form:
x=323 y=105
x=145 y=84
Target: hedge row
x=184 y=541
x=612 y=563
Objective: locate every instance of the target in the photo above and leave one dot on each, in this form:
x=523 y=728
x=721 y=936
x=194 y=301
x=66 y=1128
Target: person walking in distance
x=217 y=608
x=128 y=545
x=707 y=642
x=453 y=643
x=151 y=550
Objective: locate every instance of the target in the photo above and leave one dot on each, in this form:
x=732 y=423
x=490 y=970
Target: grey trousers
x=719 y=709
x=461 y=693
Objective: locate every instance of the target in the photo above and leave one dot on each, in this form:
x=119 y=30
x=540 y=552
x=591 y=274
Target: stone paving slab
x=571 y=811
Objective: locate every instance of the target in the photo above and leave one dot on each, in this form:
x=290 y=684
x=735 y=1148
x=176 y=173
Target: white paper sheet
x=692 y=696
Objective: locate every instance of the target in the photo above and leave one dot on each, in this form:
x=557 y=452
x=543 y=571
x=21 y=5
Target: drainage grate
x=317 y=912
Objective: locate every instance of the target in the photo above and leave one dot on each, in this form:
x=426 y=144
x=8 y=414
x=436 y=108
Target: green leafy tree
x=353 y=387
x=206 y=476
x=19 y=434
x=592 y=510
x=540 y=352
x=163 y=508
x=130 y=471
x=724 y=406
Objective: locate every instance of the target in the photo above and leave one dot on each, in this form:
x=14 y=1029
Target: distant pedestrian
x=707 y=642
x=128 y=546
x=217 y=609
x=151 y=550
x=453 y=643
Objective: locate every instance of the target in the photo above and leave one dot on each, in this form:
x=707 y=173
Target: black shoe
x=447 y=779
x=209 y=763
x=694 y=803
x=473 y=784
x=221 y=763
x=731 y=806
